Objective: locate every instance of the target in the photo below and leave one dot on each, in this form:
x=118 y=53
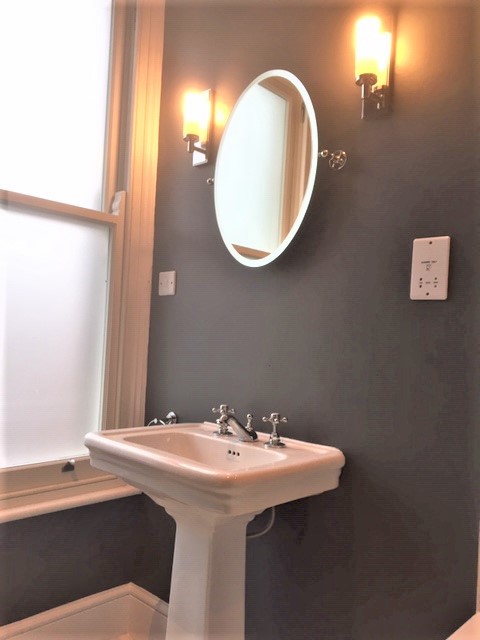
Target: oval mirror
x=266 y=166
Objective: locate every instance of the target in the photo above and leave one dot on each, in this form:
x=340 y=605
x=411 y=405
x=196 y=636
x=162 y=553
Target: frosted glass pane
x=54 y=279
x=54 y=67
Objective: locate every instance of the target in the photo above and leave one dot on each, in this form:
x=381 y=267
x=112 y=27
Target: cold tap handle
x=275 y=419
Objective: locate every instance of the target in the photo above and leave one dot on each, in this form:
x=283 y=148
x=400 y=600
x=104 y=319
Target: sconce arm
x=191 y=140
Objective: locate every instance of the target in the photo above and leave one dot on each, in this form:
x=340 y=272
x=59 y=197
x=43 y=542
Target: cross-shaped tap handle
x=224 y=410
x=275 y=419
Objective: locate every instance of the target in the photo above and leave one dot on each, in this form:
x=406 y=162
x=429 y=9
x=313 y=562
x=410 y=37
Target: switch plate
x=430 y=260
x=167 y=283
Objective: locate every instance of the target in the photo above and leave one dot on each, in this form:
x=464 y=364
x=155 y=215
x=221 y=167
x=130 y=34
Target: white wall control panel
x=167 y=283
x=430 y=260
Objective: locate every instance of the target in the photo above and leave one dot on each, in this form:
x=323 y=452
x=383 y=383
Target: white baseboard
x=127 y=612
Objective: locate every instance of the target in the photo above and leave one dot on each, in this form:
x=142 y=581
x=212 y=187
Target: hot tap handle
x=224 y=410
x=222 y=420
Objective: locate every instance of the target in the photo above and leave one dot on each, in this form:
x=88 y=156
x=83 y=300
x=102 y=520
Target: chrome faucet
x=227 y=421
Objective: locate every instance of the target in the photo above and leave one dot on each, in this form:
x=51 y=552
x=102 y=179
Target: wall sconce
x=372 y=65
x=197 y=118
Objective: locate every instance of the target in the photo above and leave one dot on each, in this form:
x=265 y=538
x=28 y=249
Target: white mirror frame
x=260 y=262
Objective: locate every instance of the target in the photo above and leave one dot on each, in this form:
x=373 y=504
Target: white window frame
x=129 y=198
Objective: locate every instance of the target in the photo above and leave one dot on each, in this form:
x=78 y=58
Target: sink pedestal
x=207 y=594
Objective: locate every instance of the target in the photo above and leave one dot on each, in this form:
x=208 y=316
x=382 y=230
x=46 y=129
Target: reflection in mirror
x=266 y=168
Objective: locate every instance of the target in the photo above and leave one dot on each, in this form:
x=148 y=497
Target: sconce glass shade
x=372 y=50
x=196 y=115
x=366 y=38
x=372 y=65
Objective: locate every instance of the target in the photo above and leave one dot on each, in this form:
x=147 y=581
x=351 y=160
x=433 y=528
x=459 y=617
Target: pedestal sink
x=212 y=487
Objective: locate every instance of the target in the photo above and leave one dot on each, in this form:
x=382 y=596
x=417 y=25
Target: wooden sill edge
x=39 y=503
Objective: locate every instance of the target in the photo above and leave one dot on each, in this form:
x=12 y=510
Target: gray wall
x=327 y=335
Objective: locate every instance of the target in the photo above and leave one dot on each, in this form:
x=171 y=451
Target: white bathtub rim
x=82 y=605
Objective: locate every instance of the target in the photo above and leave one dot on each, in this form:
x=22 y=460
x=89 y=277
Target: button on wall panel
x=430 y=262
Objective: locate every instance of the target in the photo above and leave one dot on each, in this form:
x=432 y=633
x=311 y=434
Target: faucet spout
x=228 y=421
x=244 y=433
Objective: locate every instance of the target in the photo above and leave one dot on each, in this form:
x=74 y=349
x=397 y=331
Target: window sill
x=38 y=489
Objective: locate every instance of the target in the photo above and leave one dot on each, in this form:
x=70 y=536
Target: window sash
x=132 y=139
x=54 y=137
x=57 y=289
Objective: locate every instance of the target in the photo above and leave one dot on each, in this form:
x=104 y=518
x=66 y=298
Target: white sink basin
x=187 y=463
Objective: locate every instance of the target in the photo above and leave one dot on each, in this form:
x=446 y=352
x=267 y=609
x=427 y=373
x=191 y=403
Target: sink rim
x=297 y=456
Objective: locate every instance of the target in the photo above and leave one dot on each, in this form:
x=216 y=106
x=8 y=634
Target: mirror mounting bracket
x=336 y=159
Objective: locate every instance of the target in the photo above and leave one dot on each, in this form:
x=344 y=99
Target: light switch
x=167 y=283
x=430 y=260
